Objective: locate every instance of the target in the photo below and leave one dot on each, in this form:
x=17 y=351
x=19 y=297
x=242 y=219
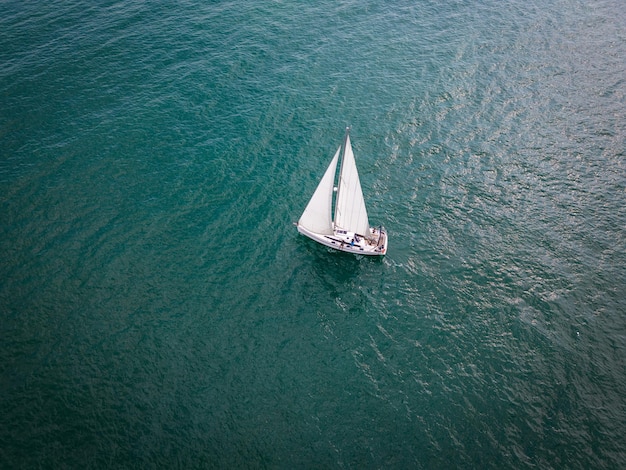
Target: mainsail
x=317 y=217
x=350 y=211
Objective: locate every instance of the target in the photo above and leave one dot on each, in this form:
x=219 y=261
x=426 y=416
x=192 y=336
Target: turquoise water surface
x=159 y=309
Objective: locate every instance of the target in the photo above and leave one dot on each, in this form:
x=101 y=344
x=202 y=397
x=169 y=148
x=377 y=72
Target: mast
x=343 y=154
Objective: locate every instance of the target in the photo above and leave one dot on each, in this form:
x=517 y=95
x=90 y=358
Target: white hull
x=350 y=242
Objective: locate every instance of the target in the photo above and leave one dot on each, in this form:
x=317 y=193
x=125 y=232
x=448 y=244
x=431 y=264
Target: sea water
x=160 y=310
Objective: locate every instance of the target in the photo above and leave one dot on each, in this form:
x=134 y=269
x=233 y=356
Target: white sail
x=348 y=230
x=317 y=216
x=350 y=211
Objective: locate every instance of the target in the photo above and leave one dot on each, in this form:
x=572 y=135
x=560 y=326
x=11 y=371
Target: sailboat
x=336 y=215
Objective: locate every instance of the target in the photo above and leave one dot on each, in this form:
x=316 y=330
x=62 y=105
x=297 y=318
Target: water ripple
x=161 y=310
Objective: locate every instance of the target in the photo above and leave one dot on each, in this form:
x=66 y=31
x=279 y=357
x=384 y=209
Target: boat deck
x=350 y=242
